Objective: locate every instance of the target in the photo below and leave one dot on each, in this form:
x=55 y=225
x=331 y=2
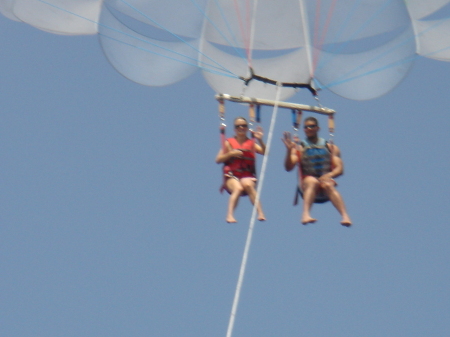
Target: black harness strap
x=253 y=76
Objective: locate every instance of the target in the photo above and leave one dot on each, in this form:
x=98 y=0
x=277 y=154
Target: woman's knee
x=234 y=186
x=247 y=183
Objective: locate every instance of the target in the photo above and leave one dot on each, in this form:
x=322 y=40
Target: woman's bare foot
x=306 y=219
x=231 y=219
x=346 y=221
x=261 y=217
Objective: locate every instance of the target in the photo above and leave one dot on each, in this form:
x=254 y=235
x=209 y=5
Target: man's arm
x=290 y=160
x=338 y=169
x=291 y=157
x=334 y=149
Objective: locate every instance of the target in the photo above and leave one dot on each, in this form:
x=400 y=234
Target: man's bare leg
x=236 y=190
x=338 y=202
x=310 y=185
x=249 y=186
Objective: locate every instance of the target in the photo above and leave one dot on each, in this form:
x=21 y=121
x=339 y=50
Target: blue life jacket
x=315 y=158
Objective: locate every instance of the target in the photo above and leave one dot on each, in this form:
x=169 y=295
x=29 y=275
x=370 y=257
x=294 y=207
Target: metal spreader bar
x=287 y=105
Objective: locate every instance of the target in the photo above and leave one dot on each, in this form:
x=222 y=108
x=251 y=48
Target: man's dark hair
x=312 y=119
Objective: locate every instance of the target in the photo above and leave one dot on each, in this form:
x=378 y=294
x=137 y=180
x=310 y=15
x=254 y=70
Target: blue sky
x=112 y=223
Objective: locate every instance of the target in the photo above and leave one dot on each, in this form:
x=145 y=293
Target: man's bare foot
x=261 y=217
x=346 y=221
x=307 y=219
x=231 y=219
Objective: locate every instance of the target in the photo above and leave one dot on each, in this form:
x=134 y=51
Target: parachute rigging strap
x=252 y=220
x=252 y=120
x=222 y=129
x=296 y=123
x=243 y=99
x=253 y=76
x=296 y=119
x=222 y=124
x=331 y=132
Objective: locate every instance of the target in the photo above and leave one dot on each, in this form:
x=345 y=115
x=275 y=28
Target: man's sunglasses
x=309 y=126
x=240 y=126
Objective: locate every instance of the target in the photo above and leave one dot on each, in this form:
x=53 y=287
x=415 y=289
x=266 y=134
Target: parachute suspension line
x=252 y=32
x=346 y=77
x=316 y=33
x=249 y=47
x=243 y=29
x=341 y=30
x=233 y=43
x=306 y=36
x=393 y=64
x=252 y=220
x=221 y=70
x=358 y=31
x=321 y=41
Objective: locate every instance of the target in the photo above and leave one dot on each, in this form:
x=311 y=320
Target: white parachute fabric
x=433 y=39
x=65 y=17
x=6 y=8
x=420 y=9
x=359 y=49
x=179 y=17
x=142 y=59
x=431 y=21
x=365 y=49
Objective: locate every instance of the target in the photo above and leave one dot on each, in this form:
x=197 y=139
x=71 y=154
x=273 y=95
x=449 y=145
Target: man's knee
x=328 y=186
x=310 y=183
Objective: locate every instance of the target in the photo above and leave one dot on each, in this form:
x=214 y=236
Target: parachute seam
x=356 y=33
x=219 y=66
x=409 y=59
x=211 y=70
x=238 y=52
x=172 y=33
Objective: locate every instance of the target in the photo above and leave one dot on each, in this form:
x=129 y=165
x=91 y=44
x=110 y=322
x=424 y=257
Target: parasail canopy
x=359 y=49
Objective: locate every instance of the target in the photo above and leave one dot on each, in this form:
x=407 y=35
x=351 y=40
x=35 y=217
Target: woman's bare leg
x=249 y=186
x=236 y=189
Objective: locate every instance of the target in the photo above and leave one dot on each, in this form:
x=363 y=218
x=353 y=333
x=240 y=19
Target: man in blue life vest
x=319 y=163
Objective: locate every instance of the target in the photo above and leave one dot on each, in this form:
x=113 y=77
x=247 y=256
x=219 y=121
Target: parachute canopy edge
x=287 y=105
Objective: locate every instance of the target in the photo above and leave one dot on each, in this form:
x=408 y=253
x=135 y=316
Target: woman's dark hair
x=239 y=118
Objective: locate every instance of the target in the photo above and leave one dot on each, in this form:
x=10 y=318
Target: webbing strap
x=253 y=218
